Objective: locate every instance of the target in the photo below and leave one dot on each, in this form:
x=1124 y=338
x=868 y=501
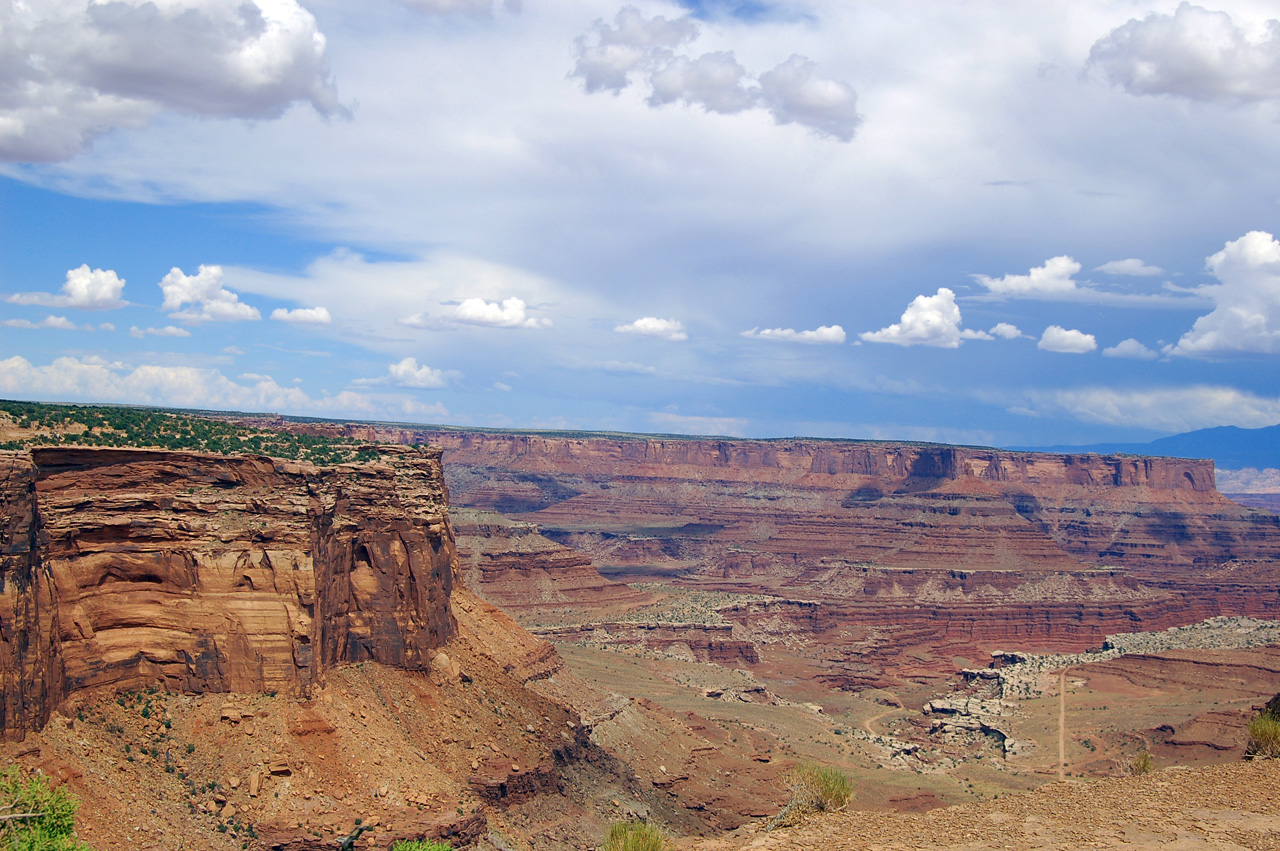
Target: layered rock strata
x=209 y=573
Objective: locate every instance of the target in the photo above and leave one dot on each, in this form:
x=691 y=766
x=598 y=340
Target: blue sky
x=997 y=223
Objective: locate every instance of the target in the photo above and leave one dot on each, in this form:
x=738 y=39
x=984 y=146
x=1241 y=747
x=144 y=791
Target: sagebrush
x=1142 y=764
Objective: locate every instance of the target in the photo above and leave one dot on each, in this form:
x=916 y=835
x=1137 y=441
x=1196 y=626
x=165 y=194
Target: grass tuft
x=814 y=789
x=634 y=836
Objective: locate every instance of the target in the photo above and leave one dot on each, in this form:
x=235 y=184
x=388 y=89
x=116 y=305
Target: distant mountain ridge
x=1230 y=447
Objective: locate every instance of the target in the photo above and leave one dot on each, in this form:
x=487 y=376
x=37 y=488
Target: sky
x=996 y=223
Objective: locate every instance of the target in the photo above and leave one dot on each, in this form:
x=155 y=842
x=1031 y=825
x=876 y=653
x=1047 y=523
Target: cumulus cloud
x=1067 y=340
x=60 y=323
x=166 y=331
x=1193 y=53
x=1130 y=348
x=1006 y=331
x=930 y=320
x=792 y=92
x=303 y=316
x=1054 y=278
x=821 y=334
x=85 y=289
x=1169 y=409
x=407 y=373
x=1132 y=267
x=74 y=70
x=795 y=94
x=652 y=326
x=1246 y=312
x=510 y=313
x=210 y=301
x=92 y=379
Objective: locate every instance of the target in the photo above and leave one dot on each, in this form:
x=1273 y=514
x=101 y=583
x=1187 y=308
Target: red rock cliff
x=210 y=573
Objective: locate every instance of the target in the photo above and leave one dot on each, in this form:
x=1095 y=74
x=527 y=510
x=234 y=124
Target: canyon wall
x=209 y=573
x=793 y=507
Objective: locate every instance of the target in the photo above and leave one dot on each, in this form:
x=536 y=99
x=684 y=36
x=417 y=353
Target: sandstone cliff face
x=782 y=507
x=214 y=574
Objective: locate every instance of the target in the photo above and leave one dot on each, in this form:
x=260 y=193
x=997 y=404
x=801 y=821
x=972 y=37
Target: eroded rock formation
x=210 y=573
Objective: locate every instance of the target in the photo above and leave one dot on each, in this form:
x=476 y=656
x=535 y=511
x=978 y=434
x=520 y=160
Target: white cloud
x=930 y=320
x=681 y=424
x=106 y=326
x=407 y=373
x=1194 y=53
x=166 y=331
x=303 y=316
x=502 y=387
x=204 y=290
x=1130 y=348
x=74 y=70
x=1246 y=313
x=84 y=289
x=792 y=92
x=1132 y=267
x=1054 y=278
x=510 y=313
x=1066 y=340
x=632 y=42
x=92 y=379
x=821 y=334
x=1169 y=409
x=714 y=81
x=1006 y=331
x=60 y=323
x=652 y=326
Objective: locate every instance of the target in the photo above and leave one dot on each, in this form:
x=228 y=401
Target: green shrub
x=1142 y=764
x=1264 y=737
x=814 y=789
x=51 y=826
x=634 y=836
x=421 y=845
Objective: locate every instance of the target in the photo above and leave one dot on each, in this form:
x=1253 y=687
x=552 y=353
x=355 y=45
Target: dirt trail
x=1234 y=807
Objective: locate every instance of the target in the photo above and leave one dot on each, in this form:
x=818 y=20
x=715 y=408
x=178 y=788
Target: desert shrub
x=1142 y=764
x=634 y=836
x=50 y=825
x=814 y=789
x=1264 y=737
x=421 y=845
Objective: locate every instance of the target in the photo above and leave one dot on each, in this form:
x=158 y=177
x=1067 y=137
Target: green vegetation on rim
x=152 y=428
x=36 y=818
x=421 y=845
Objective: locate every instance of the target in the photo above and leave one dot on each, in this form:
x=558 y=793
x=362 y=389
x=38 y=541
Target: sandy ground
x=1233 y=807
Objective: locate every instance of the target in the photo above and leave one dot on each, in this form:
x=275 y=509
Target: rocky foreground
x=1224 y=807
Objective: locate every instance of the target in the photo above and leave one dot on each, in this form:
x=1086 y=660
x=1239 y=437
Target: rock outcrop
x=208 y=573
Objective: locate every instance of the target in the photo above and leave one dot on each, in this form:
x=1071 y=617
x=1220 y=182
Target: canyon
x=514 y=638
